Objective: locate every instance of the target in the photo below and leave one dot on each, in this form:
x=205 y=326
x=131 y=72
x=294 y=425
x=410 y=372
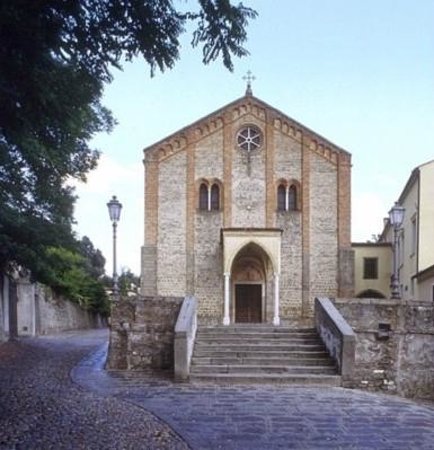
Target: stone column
x=276 y=318
x=226 y=318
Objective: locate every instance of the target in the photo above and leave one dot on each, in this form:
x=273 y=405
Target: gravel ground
x=41 y=408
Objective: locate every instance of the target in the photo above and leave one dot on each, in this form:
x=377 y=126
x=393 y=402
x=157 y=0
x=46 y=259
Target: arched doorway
x=249 y=277
x=370 y=293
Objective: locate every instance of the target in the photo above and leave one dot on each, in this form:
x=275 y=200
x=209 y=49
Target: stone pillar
x=226 y=318
x=276 y=318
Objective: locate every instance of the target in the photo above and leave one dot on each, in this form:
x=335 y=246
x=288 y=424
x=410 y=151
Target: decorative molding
x=235 y=111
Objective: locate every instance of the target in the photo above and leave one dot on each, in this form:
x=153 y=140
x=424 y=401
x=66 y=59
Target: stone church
x=249 y=211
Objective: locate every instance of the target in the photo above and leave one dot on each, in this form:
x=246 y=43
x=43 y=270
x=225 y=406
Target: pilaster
x=228 y=149
x=190 y=216
x=269 y=173
x=149 y=249
x=305 y=224
x=346 y=257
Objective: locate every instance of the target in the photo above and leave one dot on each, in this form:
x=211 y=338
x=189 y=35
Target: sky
x=359 y=73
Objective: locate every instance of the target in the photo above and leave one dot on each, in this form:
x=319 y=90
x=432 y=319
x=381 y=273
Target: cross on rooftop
x=249 y=78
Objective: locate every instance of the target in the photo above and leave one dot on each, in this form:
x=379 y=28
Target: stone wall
x=208 y=280
x=171 y=259
x=291 y=267
x=394 y=345
x=55 y=314
x=323 y=225
x=142 y=333
x=39 y=311
x=248 y=184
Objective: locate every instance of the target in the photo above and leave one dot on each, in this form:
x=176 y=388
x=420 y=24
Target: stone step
x=257 y=337
x=262 y=353
x=225 y=353
x=260 y=347
x=255 y=329
x=255 y=360
x=262 y=369
x=264 y=378
x=257 y=341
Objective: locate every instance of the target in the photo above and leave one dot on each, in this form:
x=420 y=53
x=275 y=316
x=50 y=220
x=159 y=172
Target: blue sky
x=359 y=73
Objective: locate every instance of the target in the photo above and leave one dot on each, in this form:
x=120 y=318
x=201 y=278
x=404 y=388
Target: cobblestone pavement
x=41 y=408
x=269 y=417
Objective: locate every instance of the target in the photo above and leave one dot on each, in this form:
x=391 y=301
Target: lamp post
x=396 y=217
x=114 y=208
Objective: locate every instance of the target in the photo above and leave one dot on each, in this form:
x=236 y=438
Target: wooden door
x=248 y=303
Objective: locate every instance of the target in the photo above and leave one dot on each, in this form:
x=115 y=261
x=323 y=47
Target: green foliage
x=94 y=259
x=69 y=275
x=55 y=56
x=128 y=282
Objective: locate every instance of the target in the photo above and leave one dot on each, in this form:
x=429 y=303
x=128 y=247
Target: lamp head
x=396 y=215
x=114 y=208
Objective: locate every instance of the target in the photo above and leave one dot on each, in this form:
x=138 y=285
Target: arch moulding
x=234 y=239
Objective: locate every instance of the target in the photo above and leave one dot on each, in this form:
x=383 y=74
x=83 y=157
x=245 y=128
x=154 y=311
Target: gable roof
x=239 y=107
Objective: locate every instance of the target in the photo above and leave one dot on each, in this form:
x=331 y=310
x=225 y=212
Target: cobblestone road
x=41 y=408
x=270 y=417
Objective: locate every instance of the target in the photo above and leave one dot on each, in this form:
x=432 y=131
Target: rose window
x=249 y=138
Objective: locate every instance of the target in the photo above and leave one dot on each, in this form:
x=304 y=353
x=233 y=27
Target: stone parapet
x=394 y=345
x=142 y=333
x=185 y=334
x=337 y=336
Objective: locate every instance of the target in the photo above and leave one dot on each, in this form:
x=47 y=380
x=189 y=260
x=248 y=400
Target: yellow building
x=415 y=249
x=372 y=269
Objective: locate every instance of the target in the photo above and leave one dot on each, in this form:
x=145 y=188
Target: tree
x=55 y=56
x=128 y=282
x=95 y=260
x=69 y=275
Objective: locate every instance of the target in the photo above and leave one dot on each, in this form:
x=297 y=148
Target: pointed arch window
x=203 y=197
x=210 y=192
x=281 y=198
x=215 y=197
x=288 y=196
x=292 y=198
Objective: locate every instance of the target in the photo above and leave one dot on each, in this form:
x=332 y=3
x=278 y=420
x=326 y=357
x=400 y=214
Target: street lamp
x=114 y=208
x=396 y=217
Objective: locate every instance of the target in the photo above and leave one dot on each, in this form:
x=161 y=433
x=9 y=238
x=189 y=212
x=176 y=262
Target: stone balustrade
x=338 y=337
x=185 y=333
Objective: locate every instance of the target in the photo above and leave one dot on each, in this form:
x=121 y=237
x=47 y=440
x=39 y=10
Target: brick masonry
x=183 y=250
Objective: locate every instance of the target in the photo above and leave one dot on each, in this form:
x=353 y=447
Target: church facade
x=248 y=211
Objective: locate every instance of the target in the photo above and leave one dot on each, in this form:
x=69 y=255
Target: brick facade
x=183 y=249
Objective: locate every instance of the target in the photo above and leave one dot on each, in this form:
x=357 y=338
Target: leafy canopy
x=70 y=274
x=55 y=56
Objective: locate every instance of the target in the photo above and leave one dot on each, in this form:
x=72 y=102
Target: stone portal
x=251 y=268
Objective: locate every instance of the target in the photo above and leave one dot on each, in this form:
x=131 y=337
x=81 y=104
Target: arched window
x=288 y=195
x=215 y=197
x=209 y=195
x=281 y=198
x=292 y=198
x=203 y=197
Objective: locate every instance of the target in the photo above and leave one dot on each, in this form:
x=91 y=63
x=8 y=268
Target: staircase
x=262 y=354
